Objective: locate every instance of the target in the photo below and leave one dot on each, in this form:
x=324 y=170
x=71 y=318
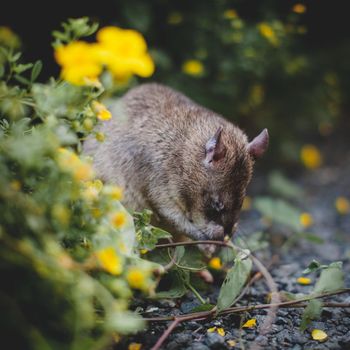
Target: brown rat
x=186 y=163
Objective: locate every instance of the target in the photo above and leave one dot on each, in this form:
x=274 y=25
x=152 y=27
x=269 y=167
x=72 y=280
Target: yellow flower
x=124 y=52
x=134 y=346
x=215 y=263
x=175 y=18
x=231 y=343
x=102 y=112
x=61 y=213
x=79 y=62
x=318 y=334
x=299 y=8
x=250 y=323
x=230 y=14
x=137 y=278
x=88 y=124
x=193 y=67
x=143 y=251
x=109 y=260
x=92 y=190
x=118 y=219
x=15 y=185
x=220 y=331
x=304 y=281
x=268 y=33
x=100 y=136
x=83 y=172
x=306 y=220
x=8 y=37
x=342 y=205
x=311 y=157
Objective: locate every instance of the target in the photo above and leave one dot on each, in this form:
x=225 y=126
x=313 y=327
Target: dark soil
x=322 y=187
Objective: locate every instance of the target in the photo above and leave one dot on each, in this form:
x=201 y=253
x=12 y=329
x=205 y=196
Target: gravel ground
x=321 y=187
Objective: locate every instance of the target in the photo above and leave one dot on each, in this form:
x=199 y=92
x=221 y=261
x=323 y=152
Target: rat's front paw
x=214 y=232
x=207 y=249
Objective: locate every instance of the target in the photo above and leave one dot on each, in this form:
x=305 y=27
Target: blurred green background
x=281 y=65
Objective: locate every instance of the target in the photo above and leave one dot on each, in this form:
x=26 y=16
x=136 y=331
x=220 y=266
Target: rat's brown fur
x=155 y=149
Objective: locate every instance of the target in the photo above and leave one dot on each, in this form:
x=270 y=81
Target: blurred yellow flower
x=109 y=260
x=215 y=263
x=231 y=343
x=268 y=33
x=250 y=323
x=342 y=205
x=306 y=220
x=118 y=219
x=83 y=172
x=92 y=189
x=61 y=213
x=311 y=157
x=8 y=37
x=193 y=67
x=124 y=52
x=101 y=110
x=304 y=280
x=318 y=334
x=230 y=14
x=299 y=8
x=79 y=61
x=134 y=346
x=15 y=185
x=137 y=278
x=100 y=136
x=175 y=18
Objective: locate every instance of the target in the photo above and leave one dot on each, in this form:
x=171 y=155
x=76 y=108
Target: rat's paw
x=207 y=249
x=214 y=232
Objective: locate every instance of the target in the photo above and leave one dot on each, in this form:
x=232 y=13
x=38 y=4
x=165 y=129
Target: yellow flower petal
x=134 y=346
x=211 y=330
x=230 y=14
x=247 y=203
x=215 y=263
x=311 y=157
x=231 y=343
x=304 y=280
x=193 y=67
x=342 y=205
x=137 y=278
x=109 y=260
x=118 y=219
x=306 y=220
x=318 y=334
x=250 y=323
x=299 y=8
x=220 y=331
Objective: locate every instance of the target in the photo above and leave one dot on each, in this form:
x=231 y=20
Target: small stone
x=214 y=341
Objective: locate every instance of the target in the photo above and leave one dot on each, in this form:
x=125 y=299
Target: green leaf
x=235 y=280
x=178 y=286
x=311 y=237
x=254 y=242
x=36 y=70
x=311 y=312
x=313 y=266
x=22 y=80
x=331 y=279
x=2 y=70
x=279 y=211
x=20 y=68
x=282 y=186
x=203 y=307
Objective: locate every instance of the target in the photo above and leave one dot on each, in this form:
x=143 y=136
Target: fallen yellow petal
x=318 y=334
x=215 y=263
x=211 y=330
x=342 y=205
x=250 y=323
x=231 y=343
x=220 y=331
x=304 y=280
x=134 y=346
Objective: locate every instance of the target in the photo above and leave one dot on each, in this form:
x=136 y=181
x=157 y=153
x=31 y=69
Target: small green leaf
x=22 y=80
x=20 y=68
x=313 y=266
x=279 y=211
x=235 y=280
x=311 y=237
x=203 y=307
x=331 y=279
x=282 y=186
x=311 y=312
x=36 y=70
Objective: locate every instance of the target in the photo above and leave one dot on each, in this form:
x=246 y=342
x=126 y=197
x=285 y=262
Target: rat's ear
x=215 y=150
x=259 y=144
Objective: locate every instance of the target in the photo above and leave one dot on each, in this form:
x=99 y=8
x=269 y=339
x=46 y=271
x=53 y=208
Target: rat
x=186 y=163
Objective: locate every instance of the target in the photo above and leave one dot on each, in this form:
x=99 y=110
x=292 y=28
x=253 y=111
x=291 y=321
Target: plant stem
x=195 y=292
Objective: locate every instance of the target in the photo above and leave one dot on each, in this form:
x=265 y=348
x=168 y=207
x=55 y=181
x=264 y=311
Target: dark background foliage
x=307 y=106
